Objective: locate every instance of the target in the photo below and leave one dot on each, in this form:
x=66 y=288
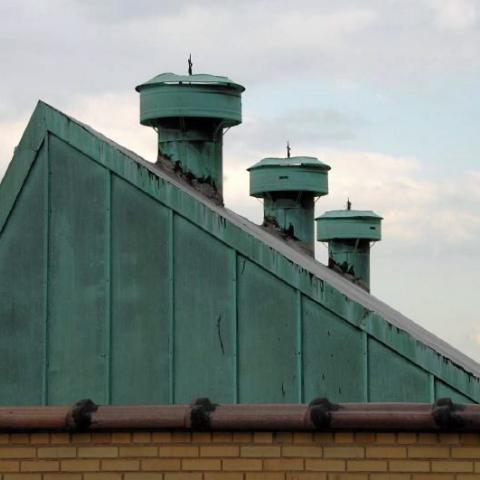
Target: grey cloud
x=59 y=50
x=114 y=11
x=307 y=130
x=327 y=124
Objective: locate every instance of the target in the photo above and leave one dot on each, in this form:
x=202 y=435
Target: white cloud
x=454 y=14
x=113 y=115
x=323 y=31
x=419 y=213
x=10 y=134
x=116 y=115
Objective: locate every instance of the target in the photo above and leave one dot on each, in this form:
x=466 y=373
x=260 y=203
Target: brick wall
x=239 y=456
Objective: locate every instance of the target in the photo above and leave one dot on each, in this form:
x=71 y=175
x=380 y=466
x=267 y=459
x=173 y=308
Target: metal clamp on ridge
x=445 y=416
x=200 y=414
x=79 y=418
x=320 y=412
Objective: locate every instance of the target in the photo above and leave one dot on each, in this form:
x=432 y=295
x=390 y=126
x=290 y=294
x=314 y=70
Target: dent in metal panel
x=140 y=296
x=78 y=270
x=333 y=356
x=22 y=304
x=204 y=351
x=267 y=329
x=394 y=378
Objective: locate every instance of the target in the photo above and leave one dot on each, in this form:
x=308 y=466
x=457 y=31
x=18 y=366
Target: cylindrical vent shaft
x=349 y=234
x=293 y=213
x=195 y=148
x=289 y=187
x=351 y=257
x=190 y=113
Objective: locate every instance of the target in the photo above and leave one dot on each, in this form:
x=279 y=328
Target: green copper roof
x=81 y=216
x=349 y=214
x=197 y=79
x=311 y=162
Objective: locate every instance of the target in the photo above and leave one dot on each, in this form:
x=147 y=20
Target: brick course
x=239 y=456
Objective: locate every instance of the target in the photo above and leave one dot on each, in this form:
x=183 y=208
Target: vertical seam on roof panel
x=299 y=334
x=46 y=270
x=171 y=336
x=299 y=342
x=108 y=285
x=366 y=384
x=235 y=327
x=432 y=388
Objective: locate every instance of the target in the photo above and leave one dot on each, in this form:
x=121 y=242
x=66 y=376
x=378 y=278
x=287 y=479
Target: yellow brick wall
x=239 y=456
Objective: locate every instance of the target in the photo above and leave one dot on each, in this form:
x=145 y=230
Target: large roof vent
x=190 y=113
x=288 y=187
x=349 y=234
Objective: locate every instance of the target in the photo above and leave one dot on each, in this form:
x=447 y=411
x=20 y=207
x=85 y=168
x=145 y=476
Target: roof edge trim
x=319 y=415
x=22 y=161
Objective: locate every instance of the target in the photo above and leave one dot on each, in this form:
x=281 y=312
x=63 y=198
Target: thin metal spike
x=190 y=64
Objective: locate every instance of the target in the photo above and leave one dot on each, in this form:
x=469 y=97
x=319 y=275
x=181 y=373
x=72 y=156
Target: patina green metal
x=121 y=283
x=349 y=234
x=288 y=187
x=190 y=113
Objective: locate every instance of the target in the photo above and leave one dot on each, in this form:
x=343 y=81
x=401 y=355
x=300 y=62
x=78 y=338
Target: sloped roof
x=282 y=257
x=297 y=255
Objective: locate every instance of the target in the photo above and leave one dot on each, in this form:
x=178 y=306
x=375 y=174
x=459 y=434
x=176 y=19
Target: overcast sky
x=387 y=92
